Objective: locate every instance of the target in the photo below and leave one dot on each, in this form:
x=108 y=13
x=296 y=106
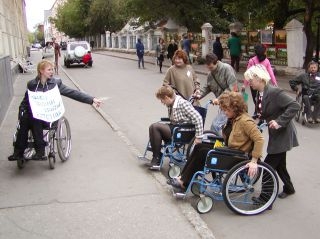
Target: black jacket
x=35 y=85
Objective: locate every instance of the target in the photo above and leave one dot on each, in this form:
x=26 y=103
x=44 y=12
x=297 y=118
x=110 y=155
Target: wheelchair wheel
x=21 y=163
x=52 y=160
x=174 y=171
x=63 y=135
x=206 y=134
x=243 y=195
x=205 y=204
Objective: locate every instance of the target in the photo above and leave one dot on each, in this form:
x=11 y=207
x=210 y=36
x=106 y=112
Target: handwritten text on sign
x=46 y=106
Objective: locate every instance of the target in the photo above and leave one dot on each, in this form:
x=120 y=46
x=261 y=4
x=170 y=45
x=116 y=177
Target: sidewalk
x=283 y=76
x=101 y=192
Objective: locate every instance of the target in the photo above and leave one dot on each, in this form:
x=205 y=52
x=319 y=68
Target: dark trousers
x=316 y=104
x=279 y=163
x=157 y=133
x=27 y=123
x=235 y=62
x=140 y=60
x=195 y=162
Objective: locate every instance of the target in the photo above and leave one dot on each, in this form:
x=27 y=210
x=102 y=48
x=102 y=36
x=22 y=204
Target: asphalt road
x=132 y=105
x=91 y=193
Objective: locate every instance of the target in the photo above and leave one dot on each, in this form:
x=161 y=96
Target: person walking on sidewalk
x=43 y=82
x=186 y=46
x=278 y=109
x=217 y=49
x=57 y=54
x=181 y=76
x=140 y=53
x=220 y=78
x=172 y=47
x=160 y=51
x=234 y=45
x=260 y=58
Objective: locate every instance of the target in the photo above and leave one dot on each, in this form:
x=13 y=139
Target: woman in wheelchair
x=180 y=111
x=44 y=81
x=241 y=132
x=310 y=91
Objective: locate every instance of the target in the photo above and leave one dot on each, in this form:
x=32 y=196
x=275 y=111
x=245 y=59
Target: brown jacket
x=246 y=136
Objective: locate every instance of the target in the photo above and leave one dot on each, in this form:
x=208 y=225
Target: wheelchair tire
x=52 y=161
x=242 y=194
x=205 y=204
x=63 y=136
x=21 y=163
x=174 y=171
x=191 y=144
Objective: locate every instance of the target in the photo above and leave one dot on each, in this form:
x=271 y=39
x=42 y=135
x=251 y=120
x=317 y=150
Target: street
x=104 y=179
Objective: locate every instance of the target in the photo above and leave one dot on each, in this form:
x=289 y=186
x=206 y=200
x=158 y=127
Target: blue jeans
x=218 y=122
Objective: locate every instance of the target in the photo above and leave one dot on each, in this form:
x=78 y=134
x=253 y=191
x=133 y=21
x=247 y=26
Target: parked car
x=63 y=45
x=75 y=52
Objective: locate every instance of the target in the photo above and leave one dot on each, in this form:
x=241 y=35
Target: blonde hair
x=257 y=71
x=42 y=65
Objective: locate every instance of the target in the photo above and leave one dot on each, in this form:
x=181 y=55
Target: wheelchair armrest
x=165 y=119
x=230 y=151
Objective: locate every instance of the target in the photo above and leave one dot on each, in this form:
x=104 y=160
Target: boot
x=17 y=154
x=40 y=154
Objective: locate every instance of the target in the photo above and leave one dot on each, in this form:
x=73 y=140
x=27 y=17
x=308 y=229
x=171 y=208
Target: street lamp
x=318 y=36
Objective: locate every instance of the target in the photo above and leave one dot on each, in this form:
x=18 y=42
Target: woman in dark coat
x=278 y=109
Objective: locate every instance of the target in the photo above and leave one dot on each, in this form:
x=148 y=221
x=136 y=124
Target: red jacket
x=86 y=58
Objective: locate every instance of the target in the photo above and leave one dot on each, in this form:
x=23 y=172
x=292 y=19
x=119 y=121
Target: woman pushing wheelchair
x=44 y=82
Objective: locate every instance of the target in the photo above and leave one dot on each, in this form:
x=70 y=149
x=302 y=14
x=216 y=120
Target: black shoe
x=40 y=155
x=154 y=162
x=15 y=156
x=283 y=195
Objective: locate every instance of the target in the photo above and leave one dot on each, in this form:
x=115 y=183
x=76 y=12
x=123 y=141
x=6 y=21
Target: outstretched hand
x=97 y=102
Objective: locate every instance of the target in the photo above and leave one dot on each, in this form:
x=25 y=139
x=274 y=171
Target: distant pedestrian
x=91 y=44
x=217 y=48
x=160 y=51
x=234 y=45
x=172 y=47
x=186 y=46
x=57 y=54
x=140 y=52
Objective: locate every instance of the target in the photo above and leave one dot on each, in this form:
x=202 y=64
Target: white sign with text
x=46 y=106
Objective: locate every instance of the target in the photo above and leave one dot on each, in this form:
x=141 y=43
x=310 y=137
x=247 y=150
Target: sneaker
x=318 y=120
x=40 y=155
x=154 y=162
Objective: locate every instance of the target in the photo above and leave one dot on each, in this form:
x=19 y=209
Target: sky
x=34 y=11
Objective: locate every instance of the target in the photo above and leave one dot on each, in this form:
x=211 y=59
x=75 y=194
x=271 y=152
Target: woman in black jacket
x=43 y=82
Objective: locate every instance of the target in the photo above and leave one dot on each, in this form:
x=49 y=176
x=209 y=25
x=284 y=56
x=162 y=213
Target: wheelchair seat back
x=183 y=134
x=224 y=158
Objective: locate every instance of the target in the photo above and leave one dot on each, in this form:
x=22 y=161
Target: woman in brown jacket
x=244 y=136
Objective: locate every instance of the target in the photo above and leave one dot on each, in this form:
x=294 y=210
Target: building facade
x=13 y=28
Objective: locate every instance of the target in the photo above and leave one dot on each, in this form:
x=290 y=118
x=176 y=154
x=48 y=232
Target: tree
x=189 y=13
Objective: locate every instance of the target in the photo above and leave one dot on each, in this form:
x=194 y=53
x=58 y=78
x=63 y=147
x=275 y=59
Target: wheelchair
x=57 y=136
x=176 y=148
x=225 y=178
x=301 y=114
